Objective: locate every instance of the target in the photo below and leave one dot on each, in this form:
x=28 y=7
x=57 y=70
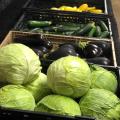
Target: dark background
x=10 y=11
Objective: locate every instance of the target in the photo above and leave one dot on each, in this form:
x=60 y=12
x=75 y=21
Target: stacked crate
x=41 y=11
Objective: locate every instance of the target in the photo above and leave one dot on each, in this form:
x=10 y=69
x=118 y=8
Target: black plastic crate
x=56 y=18
x=9 y=114
x=38 y=5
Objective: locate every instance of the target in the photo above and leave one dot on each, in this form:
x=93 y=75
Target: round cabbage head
x=69 y=76
x=16 y=97
x=18 y=64
x=101 y=104
x=104 y=79
x=39 y=87
x=58 y=104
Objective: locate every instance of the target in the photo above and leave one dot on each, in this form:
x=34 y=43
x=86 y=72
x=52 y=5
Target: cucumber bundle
x=90 y=29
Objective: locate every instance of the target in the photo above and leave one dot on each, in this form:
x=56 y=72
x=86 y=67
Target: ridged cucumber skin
x=33 y=23
x=105 y=34
x=85 y=29
x=103 y=26
x=92 y=32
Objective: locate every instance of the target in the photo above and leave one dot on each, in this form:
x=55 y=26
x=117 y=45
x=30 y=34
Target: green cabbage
x=59 y=105
x=16 y=97
x=69 y=76
x=18 y=64
x=104 y=79
x=101 y=104
x=114 y=112
x=39 y=87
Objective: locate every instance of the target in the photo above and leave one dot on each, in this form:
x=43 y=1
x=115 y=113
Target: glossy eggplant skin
x=106 y=47
x=99 y=60
x=38 y=52
x=48 y=44
x=68 y=45
x=31 y=41
x=34 y=41
x=61 y=52
x=74 y=46
x=43 y=49
x=92 y=50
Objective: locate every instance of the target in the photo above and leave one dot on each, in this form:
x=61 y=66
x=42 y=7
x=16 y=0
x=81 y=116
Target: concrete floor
x=116 y=10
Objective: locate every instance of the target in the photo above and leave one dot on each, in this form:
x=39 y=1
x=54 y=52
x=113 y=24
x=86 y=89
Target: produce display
x=97 y=29
x=82 y=8
x=60 y=64
x=70 y=87
x=98 y=52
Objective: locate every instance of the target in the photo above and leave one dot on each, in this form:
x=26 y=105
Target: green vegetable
x=85 y=29
x=69 y=76
x=68 y=33
x=98 y=31
x=104 y=79
x=34 y=23
x=104 y=34
x=16 y=97
x=39 y=87
x=37 y=30
x=82 y=25
x=71 y=24
x=18 y=64
x=67 y=28
x=101 y=104
x=59 y=105
x=92 y=32
x=114 y=112
x=103 y=26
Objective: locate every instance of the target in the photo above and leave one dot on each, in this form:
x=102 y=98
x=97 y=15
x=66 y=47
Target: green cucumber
x=50 y=29
x=68 y=33
x=67 y=28
x=71 y=24
x=36 y=30
x=98 y=31
x=92 y=32
x=82 y=25
x=104 y=34
x=33 y=23
x=85 y=29
x=103 y=26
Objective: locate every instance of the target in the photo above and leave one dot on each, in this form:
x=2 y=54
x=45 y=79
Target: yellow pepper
x=54 y=8
x=68 y=8
x=91 y=8
x=62 y=7
x=97 y=11
x=83 y=7
x=78 y=10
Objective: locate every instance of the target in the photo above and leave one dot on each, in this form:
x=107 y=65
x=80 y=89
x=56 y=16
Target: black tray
x=9 y=114
x=38 y=5
x=57 y=18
